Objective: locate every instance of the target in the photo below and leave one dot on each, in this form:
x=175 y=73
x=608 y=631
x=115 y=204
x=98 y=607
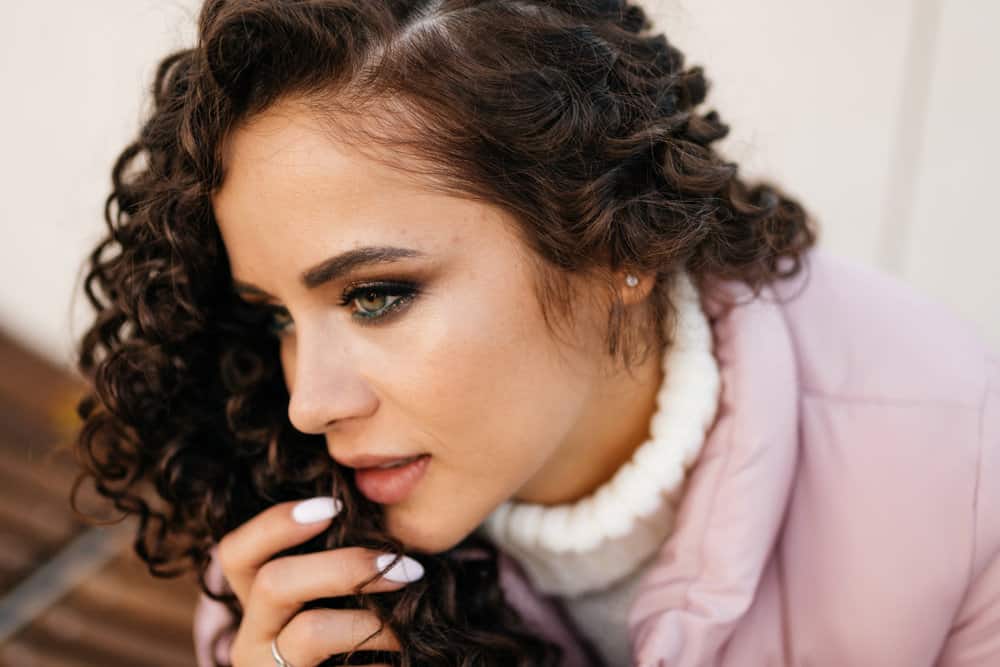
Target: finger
x=243 y=550
x=316 y=634
x=283 y=585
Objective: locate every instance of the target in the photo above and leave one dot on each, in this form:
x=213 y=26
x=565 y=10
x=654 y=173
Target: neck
x=616 y=422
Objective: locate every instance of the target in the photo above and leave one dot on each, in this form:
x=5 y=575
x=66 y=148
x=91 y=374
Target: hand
x=273 y=591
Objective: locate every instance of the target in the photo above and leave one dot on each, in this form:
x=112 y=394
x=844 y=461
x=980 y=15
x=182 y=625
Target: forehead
x=286 y=158
x=293 y=195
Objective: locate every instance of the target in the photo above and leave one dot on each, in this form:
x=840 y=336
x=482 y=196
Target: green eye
x=373 y=300
x=370 y=299
x=278 y=320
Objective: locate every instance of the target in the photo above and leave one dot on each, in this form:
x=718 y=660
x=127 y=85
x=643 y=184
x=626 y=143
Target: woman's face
x=451 y=358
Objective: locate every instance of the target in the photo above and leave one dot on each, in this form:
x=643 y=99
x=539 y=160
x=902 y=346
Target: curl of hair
x=568 y=114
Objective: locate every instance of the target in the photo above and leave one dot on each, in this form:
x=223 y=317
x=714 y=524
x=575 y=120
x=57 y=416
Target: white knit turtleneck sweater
x=590 y=554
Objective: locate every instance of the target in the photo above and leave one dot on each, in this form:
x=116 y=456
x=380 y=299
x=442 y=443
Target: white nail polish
x=316 y=509
x=404 y=571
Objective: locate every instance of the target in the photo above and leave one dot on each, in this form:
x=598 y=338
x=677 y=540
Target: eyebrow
x=339 y=266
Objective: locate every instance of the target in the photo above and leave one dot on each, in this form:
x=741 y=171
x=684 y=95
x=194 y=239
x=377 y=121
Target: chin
x=420 y=537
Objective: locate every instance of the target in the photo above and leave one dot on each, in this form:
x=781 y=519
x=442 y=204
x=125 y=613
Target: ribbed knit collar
x=575 y=548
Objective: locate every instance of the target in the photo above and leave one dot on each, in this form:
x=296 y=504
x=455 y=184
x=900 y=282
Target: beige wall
x=74 y=76
x=878 y=116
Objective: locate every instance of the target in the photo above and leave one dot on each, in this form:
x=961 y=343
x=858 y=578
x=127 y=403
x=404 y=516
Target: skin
x=272 y=592
x=465 y=371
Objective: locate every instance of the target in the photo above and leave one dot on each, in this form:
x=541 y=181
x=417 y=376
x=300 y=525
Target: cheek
x=492 y=406
x=488 y=392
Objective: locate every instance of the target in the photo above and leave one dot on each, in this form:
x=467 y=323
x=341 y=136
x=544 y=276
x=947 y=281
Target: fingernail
x=316 y=509
x=405 y=571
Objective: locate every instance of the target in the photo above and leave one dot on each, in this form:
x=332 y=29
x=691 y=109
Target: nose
x=324 y=385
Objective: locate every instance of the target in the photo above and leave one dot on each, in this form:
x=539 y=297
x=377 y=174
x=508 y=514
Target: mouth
x=393 y=482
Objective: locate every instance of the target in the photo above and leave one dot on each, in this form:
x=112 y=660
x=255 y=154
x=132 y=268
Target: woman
x=436 y=333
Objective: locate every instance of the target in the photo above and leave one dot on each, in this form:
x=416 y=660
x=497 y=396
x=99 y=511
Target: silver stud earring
x=631 y=280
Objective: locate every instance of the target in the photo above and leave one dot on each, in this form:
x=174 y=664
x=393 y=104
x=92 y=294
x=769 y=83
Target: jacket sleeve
x=974 y=638
x=209 y=617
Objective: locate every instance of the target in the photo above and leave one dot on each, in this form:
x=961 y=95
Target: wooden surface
x=117 y=616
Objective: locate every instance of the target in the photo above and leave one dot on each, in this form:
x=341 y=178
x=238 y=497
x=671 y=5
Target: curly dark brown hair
x=568 y=114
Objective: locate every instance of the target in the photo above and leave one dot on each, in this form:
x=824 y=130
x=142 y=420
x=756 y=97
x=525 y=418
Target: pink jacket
x=845 y=509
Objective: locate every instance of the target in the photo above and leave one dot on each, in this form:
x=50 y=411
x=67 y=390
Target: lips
x=388 y=486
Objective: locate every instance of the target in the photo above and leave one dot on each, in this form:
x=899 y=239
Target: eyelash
x=406 y=291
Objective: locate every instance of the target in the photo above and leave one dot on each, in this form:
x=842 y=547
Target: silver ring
x=278 y=660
